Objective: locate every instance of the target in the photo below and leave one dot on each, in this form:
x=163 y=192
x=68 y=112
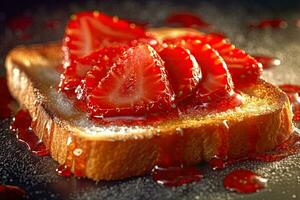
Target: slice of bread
x=263 y=121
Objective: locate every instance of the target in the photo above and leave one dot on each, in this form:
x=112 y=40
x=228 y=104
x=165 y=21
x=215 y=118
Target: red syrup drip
x=217 y=163
x=171 y=171
x=290 y=147
x=187 y=20
x=270 y=23
x=9 y=192
x=5 y=99
x=176 y=176
x=293 y=92
x=244 y=181
x=63 y=170
x=267 y=62
x=22 y=126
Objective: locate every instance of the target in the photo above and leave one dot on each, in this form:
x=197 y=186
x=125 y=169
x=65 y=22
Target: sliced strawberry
x=183 y=70
x=136 y=84
x=243 y=68
x=100 y=62
x=216 y=80
x=72 y=75
x=89 y=31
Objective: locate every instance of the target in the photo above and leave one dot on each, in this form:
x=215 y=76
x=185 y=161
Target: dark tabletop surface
x=37 y=175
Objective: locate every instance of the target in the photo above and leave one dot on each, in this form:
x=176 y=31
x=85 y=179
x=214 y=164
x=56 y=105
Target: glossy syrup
x=171 y=170
x=270 y=23
x=5 y=99
x=289 y=147
x=187 y=20
x=293 y=92
x=218 y=162
x=9 y=192
x=176 y=176
x=244 y=181
x=21 y=125
x=267 y=61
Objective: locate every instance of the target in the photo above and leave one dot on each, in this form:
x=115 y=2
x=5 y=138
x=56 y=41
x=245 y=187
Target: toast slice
x=263 y=121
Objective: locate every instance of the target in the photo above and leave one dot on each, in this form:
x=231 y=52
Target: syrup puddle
x=244 y=181
x=21 y=125
x=176 y=176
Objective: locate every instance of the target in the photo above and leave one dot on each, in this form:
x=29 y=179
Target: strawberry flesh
x=89 y=31
x=216 y=80
x=136 y=84
x=243 y=67
x=183 y=70
x=99 y=63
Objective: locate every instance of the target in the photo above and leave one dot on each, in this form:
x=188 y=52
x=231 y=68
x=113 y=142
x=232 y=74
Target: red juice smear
x=187 y=20
x=22 y=126
x=266 y=61
x=9 y=192
x=176 y=176
x=270 y=23
x=244 y=181
x=293 y=92
x=63 y=170
x=288 y=148
x=5 y=99
x=171 y=171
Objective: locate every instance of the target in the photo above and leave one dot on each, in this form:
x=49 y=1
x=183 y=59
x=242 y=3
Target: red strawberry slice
x=183 y=70
x=136 y=84
x=216 y=80
x=88 y=31
x=243 y=68
x=98 y=62
x=72 y=75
